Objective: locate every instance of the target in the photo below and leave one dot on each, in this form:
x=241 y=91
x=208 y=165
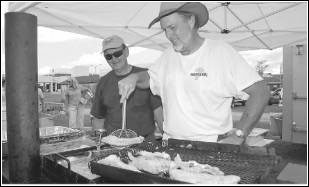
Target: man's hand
x=127 y=86
x=232 y=138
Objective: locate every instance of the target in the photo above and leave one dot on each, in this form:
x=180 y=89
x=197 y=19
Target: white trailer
x=294 y=127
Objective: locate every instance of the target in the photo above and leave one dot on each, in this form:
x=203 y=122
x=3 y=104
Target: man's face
x=116 y=58
x=178 y=30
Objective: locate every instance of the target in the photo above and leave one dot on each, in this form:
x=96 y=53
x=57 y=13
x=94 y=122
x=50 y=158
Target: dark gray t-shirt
x=140 y=105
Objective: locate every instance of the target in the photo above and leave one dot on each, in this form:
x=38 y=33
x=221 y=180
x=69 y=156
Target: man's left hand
x=232 y=138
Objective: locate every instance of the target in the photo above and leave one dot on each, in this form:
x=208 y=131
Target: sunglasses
x=116 y=54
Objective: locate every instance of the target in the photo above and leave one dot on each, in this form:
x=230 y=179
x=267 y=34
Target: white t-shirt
x=197 y=89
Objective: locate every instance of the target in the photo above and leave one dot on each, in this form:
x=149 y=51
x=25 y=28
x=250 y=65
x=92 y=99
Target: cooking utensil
x=101 y=131
x=124 y=132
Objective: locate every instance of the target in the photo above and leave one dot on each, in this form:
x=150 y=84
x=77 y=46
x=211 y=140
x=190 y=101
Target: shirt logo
x=199 y=72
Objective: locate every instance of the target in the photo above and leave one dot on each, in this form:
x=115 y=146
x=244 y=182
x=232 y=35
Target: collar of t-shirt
x=124 y=75
x=188 y=61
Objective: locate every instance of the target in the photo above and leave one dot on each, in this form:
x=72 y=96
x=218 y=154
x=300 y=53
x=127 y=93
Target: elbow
x=259 y=93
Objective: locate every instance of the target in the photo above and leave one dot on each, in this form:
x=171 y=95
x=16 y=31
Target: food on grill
x=113 y=160
x=121 y=142
x=155 y=163
x=160 y=163
x=254 y=140
x=194 y=172
x=202 y=178
x=193 y=166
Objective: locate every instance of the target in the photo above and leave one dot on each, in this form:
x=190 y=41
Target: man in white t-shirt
x=197 y=79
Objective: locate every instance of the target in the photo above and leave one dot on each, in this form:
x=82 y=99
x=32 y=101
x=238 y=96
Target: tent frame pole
x=252 y=32
x=265 y=16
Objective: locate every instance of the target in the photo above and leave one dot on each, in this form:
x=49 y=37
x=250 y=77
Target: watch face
x=239 y=133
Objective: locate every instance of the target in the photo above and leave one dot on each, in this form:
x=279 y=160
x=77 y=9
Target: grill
x=228 y=158
x=58 y=166
x=61 y=169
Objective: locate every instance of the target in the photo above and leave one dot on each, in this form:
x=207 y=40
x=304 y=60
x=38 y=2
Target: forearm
x=158 y=117
x=142 y=79
x=254 y=108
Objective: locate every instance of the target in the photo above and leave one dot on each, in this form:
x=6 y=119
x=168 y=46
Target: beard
x=178 y=47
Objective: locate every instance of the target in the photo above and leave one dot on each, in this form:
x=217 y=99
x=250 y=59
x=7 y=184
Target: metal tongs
x=124 y=132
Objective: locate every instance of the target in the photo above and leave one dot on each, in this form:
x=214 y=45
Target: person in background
x=75 y=102
x=197 y=79
x=41 y=103
x=143 y=108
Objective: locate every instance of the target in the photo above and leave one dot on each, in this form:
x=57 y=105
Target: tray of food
x=58 y=133
x=113 y=165
x=52 y=134
x=151 y=163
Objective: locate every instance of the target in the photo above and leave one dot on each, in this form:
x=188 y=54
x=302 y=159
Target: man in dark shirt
x=143 y=108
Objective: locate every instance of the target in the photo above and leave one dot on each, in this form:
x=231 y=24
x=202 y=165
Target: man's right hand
x=127 y=86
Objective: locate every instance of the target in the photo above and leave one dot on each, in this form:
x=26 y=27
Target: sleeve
x=155 y=101
x=240 y=73
x=155 y=76
x=98 y=109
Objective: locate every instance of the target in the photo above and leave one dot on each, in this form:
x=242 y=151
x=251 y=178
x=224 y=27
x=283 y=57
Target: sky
x=62 y=51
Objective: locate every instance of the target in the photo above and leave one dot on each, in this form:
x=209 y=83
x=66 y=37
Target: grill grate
x=250 y=168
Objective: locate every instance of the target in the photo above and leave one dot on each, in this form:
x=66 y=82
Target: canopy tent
x=245 y=25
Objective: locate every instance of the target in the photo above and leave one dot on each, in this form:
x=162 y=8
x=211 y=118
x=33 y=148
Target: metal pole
x=22 y=97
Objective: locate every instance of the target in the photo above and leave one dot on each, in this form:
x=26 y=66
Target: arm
x=128 y=84
x=98 y=109
x=259 y=95
x=255 y=105
x=158 y=117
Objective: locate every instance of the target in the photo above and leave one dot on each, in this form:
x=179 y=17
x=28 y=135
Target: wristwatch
x=240 y=133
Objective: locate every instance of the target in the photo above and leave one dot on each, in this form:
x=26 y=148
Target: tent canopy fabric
x=245 y=25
